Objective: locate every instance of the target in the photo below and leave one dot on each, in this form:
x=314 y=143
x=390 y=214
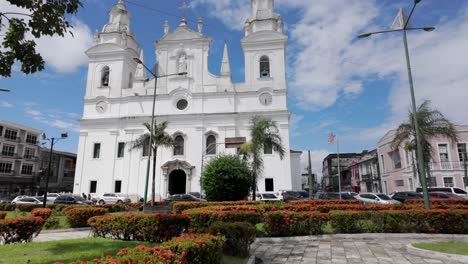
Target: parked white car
x=26 y=200
x=113 y=198
x=267 y=197
x=375 y=198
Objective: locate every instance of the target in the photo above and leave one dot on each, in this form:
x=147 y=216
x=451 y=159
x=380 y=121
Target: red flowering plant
x=140 y=227
x=78 y=216
x=42 y=212
x=286 y=223
x=20 y=229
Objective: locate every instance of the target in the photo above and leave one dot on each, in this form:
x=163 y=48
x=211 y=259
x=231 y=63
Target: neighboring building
x=365 y=173
x=330 y=171
x=63 y=170
x=19 y=159
x=203 y=109
x=447 y=168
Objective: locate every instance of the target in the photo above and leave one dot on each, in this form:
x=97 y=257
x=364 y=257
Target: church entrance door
x=177 y=182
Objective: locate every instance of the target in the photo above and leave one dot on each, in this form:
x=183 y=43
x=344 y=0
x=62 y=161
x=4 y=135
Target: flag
x=400 y=20
x=331 y=138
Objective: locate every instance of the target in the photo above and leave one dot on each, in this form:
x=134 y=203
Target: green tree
x=160 y=139
x=43 y=18
x=432 y=123
x=226 y=178
x=264 y=134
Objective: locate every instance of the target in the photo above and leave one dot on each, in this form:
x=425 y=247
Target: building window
x=130 y=80
x=92 y=187
x=267 y=148
x=118 y=186
x=448 y=182
x=145 y=150
x=399 y=183
x=264 y=67
x=211 y=145
x=396 y=159
x=5 y=167
x=179 y=146
x=27 y=169
x=97 y=150
x=105 y=76
x=121 y=150
x=31 y=139
x=8 y=150
x=29 y=153
x=269 y=187
x=462 y=155
x=11 y=134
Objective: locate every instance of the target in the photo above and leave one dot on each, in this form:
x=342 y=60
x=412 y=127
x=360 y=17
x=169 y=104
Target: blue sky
x=356 y=88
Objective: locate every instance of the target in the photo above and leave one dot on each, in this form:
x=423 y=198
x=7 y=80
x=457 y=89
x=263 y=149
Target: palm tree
x=160 y=139
x=264 y=132
x=432 y=123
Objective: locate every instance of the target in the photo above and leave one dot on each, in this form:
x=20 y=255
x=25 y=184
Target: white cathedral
x=208 y=114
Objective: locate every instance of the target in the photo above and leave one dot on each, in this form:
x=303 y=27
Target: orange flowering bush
x=285 y=223
x=2 y=215
x=42 y=212
x=20 y=229
x=140 y=227
x=78 y=216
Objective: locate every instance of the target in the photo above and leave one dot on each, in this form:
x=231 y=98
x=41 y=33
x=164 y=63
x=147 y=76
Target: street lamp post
x=150 y=145
x=405 y=28
x=53 y=141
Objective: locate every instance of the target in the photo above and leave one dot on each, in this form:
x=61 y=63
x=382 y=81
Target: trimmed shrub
x=239 y=236
x=2 y=215
x=141 y=227
x=41 y=212
x=20 y=229
x=78 y=216
x=285 y=223
x=203 y=218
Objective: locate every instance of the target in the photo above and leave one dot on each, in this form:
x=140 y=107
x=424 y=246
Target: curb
x=364 y=236
x=437 y=255
x=66 y=230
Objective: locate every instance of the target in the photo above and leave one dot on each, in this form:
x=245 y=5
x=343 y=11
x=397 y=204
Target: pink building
x=447 y=167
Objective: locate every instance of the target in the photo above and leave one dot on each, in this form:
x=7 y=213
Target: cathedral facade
x=207 y=114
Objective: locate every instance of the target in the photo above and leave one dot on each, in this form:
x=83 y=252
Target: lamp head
x=429 y=29
x=64 y=135
x=365 y=35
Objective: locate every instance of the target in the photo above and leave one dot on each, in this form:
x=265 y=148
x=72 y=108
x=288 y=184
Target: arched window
x=130 y=80
x=105 y=76
x=179 y=146
x=211 y=145
x=264 y=67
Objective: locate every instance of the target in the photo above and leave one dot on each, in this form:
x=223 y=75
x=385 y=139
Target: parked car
x=333 y=196
x=444 y=195
x=184 y=197
x=71 y=199
x=267 y=197
x=403 y=196
x=453 y=190
x=375 y=198
x=26 y=200
x=113 y=198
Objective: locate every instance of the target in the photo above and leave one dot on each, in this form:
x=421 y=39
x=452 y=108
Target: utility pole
x=311 y=178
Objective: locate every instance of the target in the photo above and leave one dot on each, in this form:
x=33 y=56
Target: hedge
x=140 y=227
x=187 y=249
x=239 y=236
x=78 y=216
x=41 y=212
x=285 y=223
x=20 y=229
x=2 y=215
x=203 y=218
x=410 y=221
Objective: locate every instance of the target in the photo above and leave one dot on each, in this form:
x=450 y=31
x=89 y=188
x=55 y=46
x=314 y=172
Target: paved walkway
x=341 y=249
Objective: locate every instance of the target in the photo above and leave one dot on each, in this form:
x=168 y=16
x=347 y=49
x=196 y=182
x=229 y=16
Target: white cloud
x=6 y=104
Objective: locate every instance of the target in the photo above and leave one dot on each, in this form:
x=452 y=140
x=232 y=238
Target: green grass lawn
x=451 y=247
x=64 y=251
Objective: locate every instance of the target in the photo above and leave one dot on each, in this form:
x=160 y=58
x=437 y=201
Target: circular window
x=182 y=104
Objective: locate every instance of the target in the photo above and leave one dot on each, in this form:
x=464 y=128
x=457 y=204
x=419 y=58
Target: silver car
x=113 y=198
x=375 y=198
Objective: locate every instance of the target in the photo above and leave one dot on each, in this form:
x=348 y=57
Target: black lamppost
x=150 y=148
x=403 y=29
x=53 y=141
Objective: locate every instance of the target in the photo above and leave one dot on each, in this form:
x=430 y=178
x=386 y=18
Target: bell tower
x=111 y=64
